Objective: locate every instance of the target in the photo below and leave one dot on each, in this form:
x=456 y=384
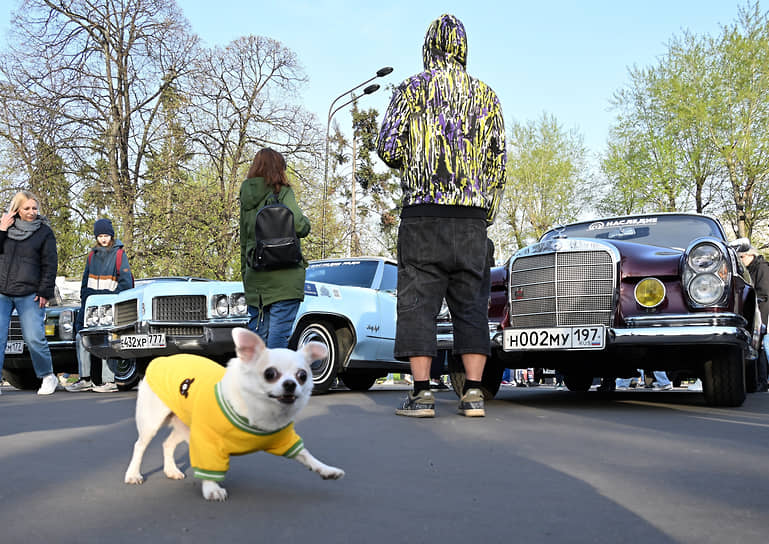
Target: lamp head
x=371 y=89
x=384 y=71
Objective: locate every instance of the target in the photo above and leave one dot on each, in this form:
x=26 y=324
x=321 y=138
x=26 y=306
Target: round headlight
x=221 y=307
x=705 y=258
x=91 y=316
x=649 y=292
x=706 y=289
x=105 y=314
x=238 y=304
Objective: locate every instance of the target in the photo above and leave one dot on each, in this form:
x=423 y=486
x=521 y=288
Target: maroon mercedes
x=604 y=298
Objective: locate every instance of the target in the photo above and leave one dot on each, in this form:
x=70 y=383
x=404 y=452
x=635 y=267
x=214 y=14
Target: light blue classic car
x=349 y=306
x=163 y=316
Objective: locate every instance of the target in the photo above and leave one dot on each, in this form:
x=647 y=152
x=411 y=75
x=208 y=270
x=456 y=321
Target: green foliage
x=692 y=132
x=546 y=179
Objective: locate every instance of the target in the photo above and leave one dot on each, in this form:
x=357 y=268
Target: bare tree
x=244 y=97
x=98 y=68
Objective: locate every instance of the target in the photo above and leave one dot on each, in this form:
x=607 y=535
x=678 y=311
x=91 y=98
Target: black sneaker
x=421 y=405
x=471 y=404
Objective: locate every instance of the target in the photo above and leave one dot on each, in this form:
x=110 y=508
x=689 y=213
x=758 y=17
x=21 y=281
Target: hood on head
x=445 y=43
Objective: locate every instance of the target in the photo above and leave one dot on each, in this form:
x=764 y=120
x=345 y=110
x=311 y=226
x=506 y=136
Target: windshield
x=352 y=272
x=675 y=231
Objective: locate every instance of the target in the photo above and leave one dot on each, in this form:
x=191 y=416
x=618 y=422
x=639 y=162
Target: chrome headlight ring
x=706 y=274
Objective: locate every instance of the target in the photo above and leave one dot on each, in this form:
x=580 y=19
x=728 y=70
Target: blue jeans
x=32 y=320
x=108 y=366
x=274 y=322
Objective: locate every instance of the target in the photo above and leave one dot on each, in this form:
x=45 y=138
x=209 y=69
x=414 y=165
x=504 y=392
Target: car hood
x=167 y=288
x=644 y=260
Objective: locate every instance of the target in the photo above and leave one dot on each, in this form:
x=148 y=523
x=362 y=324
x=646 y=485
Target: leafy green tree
x=738 y=116
x=547 y=180
x=692 y=132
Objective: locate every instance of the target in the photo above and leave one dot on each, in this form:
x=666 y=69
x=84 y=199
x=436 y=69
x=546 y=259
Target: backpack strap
x=119 y=263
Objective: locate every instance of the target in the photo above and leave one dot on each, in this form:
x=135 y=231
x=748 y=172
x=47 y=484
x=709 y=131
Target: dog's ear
x=248 y=344
x=314 y=351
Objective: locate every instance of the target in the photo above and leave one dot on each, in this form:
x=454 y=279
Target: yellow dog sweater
x=190 y=386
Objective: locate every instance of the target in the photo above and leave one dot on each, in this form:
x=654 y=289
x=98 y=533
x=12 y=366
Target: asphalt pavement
x=542 y=466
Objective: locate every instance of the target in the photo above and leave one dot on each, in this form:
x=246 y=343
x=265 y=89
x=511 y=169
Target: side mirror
x=740 y=245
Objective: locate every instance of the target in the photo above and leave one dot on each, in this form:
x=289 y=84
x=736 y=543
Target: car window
x=662 y=230
x=353 y=272
x=390 y=278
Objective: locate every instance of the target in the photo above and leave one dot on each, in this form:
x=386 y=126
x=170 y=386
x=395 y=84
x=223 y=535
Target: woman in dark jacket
x=273 y=296
x=28 y=264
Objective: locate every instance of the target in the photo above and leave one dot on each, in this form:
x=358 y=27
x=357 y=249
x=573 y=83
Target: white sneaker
x=49 y=385
x=108 y=387
x=80 y=385
x=660 y=387
x=696 y=386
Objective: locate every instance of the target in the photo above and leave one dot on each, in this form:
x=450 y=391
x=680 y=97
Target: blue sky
x=565 y=58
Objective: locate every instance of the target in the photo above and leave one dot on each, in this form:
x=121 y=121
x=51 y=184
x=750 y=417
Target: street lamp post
x=331 y=111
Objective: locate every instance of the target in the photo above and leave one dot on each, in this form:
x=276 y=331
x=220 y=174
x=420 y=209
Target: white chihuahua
x=249 y=406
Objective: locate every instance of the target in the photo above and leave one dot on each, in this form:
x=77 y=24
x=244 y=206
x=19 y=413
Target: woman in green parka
x=273 y=296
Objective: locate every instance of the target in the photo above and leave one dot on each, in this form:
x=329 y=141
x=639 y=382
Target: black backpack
x=277 y=245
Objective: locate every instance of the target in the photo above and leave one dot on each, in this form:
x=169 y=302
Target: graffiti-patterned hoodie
x=444 y=130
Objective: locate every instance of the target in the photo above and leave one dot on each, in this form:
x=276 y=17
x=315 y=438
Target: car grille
x=14 y=330
x=126 y=312
x=179 y=308
x=173 y=330
x=562 y=289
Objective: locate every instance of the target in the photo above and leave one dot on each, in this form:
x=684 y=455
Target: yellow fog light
x=649 y=292
x=50 y=329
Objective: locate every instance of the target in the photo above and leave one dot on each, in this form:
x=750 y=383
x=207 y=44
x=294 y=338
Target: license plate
x=143 y=341
x=583 y=337
x=14 y=347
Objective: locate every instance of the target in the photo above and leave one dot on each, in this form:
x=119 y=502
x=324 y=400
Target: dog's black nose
x=289 y=386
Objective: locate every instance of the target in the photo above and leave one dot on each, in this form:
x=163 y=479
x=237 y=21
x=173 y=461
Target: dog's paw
x=331 y=473
x=174 y=473
x=133 y=479
x=213 y=491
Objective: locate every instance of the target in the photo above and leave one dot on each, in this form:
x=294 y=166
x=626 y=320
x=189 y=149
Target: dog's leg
x=326 y=472
x=179 y=433
x=213 y=491
x=151 y=414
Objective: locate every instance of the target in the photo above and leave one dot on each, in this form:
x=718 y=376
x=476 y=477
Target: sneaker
x=49 y=385
x=696 y=386
x=666 y=387
x=80 y=385
x=421 y=405
x=438 y=385
x=108 y=387
x=471 y=403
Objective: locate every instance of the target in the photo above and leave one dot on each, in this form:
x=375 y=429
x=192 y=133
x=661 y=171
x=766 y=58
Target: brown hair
x=270 y=165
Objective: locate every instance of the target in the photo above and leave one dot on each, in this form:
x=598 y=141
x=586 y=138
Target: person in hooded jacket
x=444 y=131
x=106 y=271
x=28 y=265
x=758 y=269
x=273 y=296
